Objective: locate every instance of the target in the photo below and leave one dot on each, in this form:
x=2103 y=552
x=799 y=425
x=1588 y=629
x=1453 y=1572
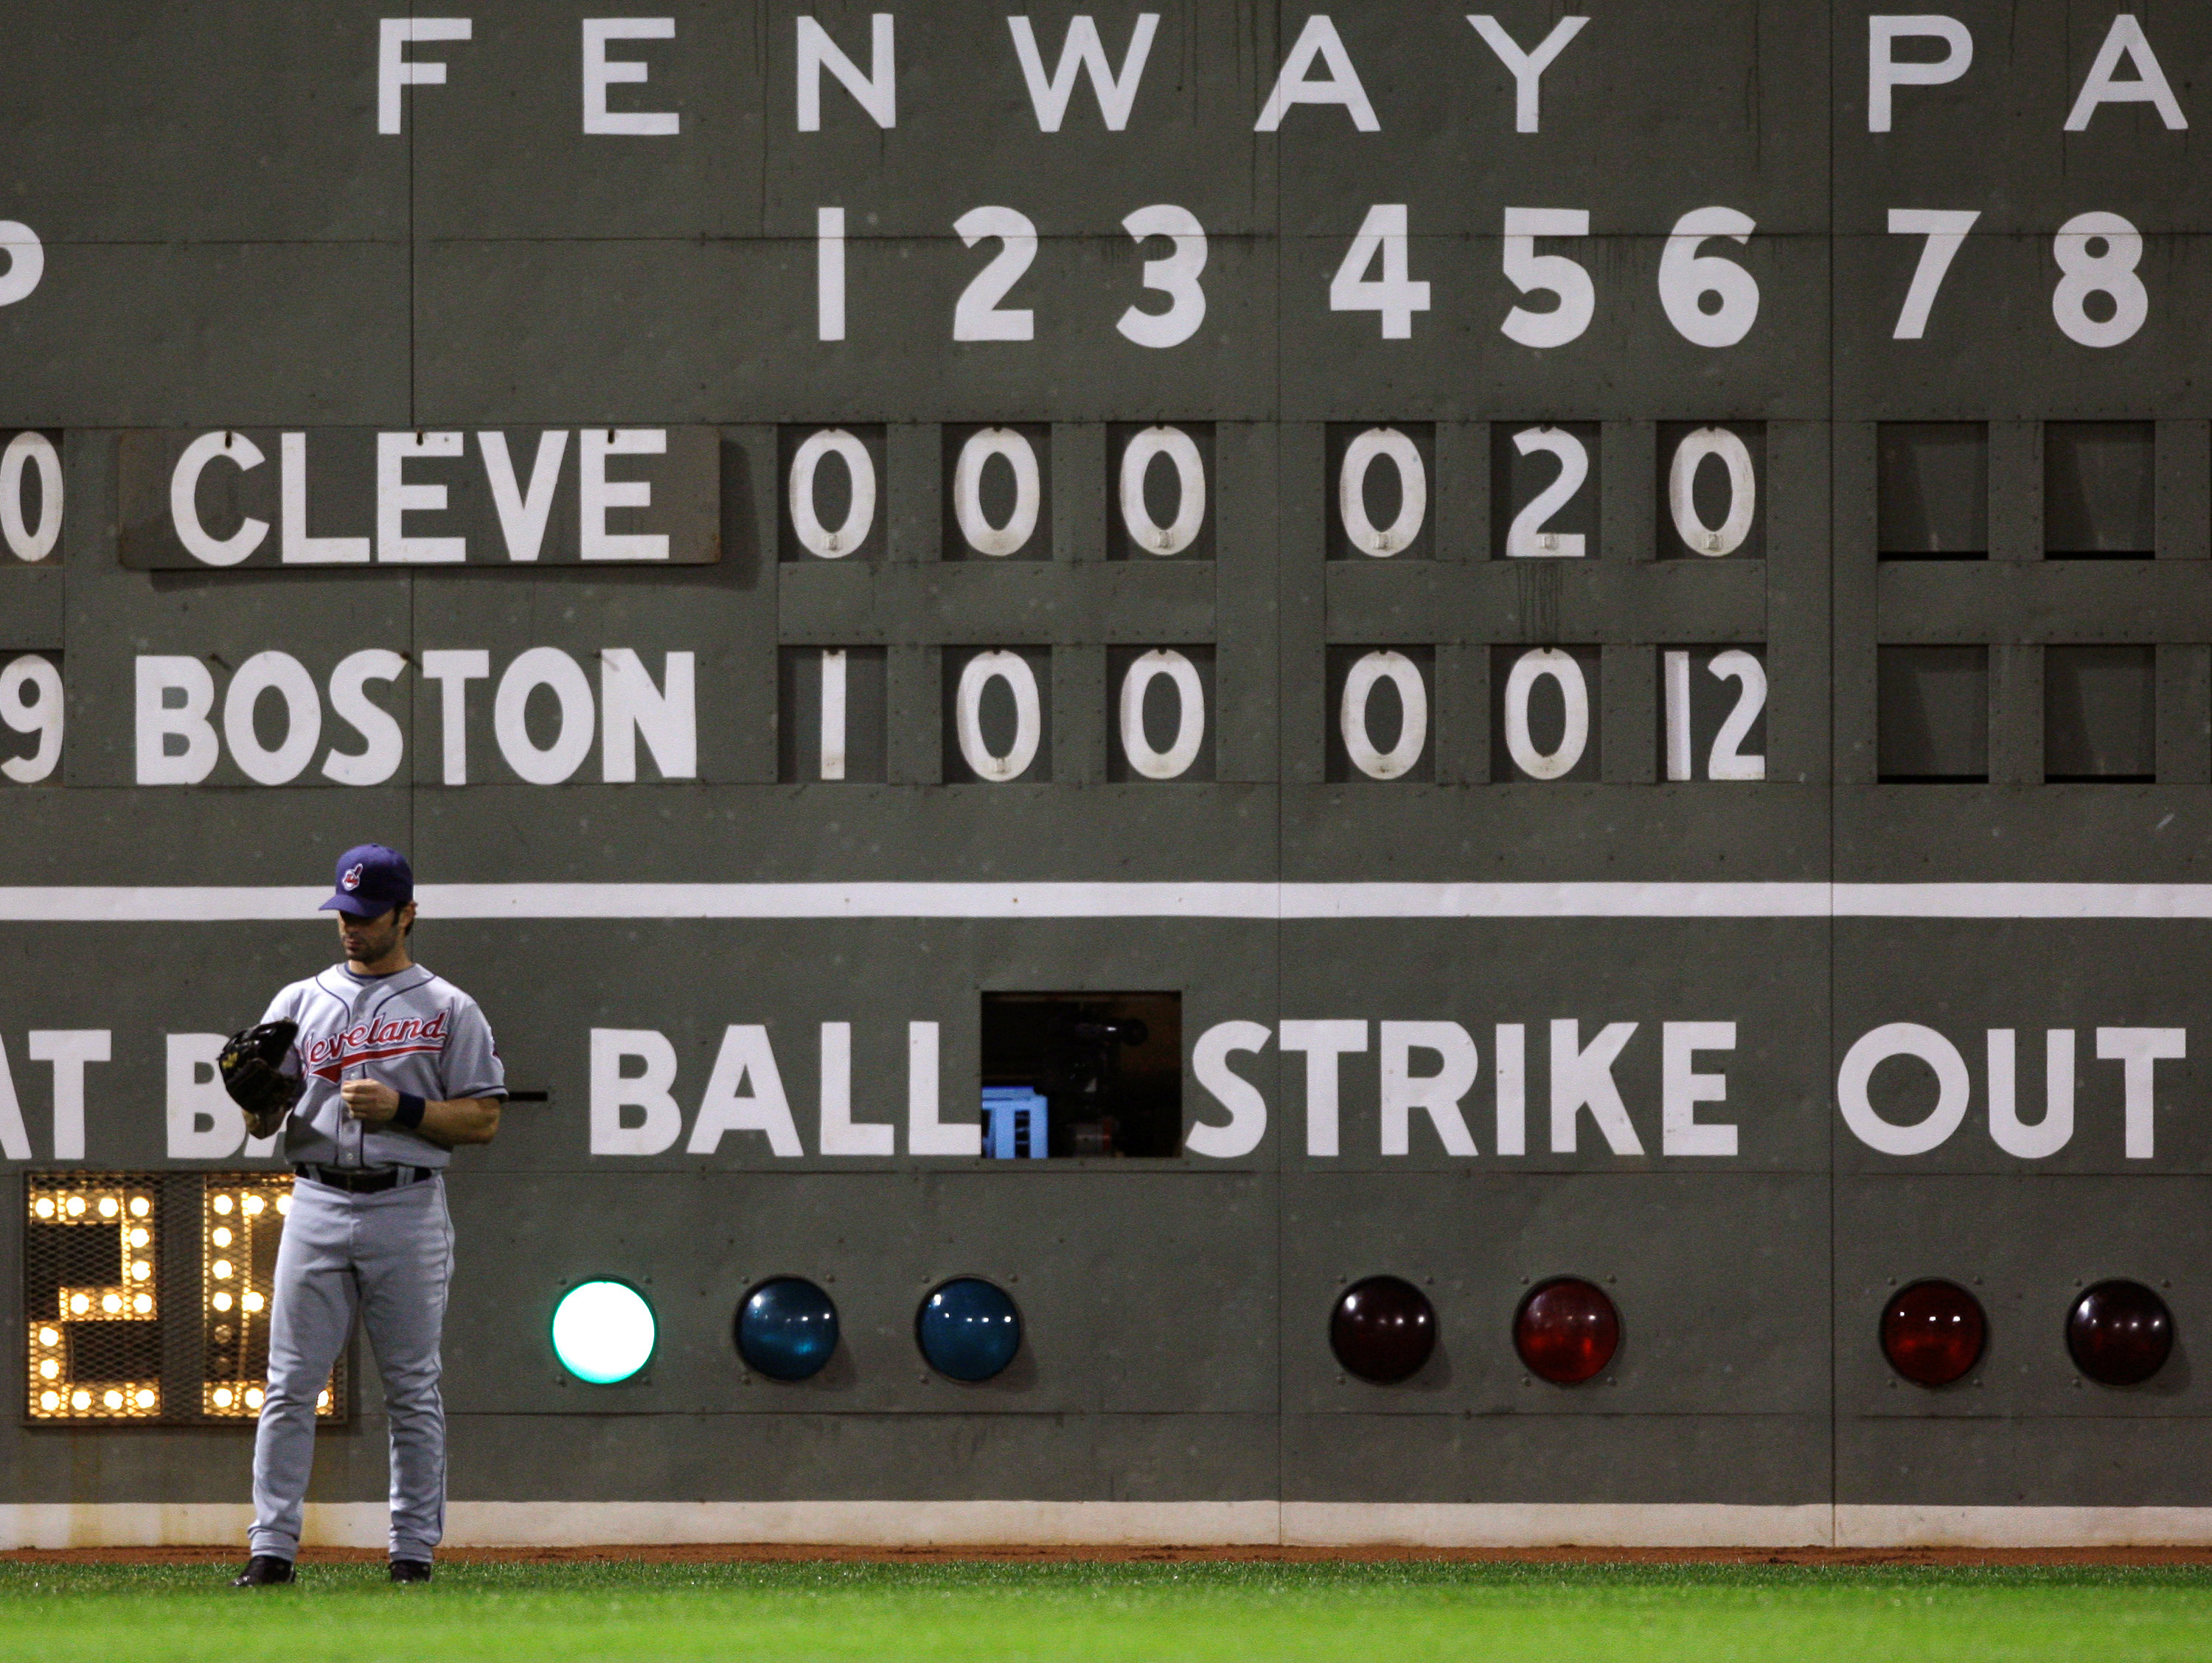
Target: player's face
x=367 y=940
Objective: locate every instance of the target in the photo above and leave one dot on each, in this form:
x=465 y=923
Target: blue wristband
x=410 y=1112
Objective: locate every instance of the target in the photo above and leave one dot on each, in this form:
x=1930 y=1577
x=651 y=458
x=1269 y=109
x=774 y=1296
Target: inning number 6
x=1686 y=277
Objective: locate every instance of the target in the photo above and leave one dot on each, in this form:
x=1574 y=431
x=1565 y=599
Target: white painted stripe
x=899 y=1523
x=187 y=904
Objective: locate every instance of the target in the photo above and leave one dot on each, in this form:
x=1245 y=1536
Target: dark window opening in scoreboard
x=1544 y=483
x=831 y=482
x=2098 y=490
x=832 y=715
x=1932 y=718
x=1159 y=491
x=1932 y=491
x=1712 y=490
x=998 y=493
x=1381 y=706
x=2100 y=714
x=1382 y=490
x=1105 y=1070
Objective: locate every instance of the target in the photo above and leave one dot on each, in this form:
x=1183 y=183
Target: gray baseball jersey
x=414 y=1031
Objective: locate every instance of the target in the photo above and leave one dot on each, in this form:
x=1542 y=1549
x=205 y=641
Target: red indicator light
x=1567 y=1331
x=1932 y=1332
x=1383 y=1330
x=2119 y=1334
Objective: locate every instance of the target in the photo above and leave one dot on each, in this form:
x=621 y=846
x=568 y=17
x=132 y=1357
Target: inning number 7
x=1945 y=229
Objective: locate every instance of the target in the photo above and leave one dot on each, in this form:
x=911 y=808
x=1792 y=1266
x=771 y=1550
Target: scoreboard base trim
x=908 y=1524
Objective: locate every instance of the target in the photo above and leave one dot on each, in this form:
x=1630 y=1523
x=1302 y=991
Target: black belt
x=366 y=1180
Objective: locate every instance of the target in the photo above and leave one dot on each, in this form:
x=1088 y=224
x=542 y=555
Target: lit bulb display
x=98 y=1335
x=241 y=1225
x=95 y=1341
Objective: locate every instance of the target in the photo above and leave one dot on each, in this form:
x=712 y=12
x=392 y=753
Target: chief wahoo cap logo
x=352 y=879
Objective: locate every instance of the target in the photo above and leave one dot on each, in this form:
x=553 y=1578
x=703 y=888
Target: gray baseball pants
x=388 y=1257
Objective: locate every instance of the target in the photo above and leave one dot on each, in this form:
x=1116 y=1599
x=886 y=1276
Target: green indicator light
x=603 y=1331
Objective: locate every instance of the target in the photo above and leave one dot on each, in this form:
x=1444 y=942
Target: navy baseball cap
x=373 y=880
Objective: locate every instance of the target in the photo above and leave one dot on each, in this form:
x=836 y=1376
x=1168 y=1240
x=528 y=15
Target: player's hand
x=369 y=1099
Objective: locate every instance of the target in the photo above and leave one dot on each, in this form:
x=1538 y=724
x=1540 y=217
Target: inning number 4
x=1395 y=296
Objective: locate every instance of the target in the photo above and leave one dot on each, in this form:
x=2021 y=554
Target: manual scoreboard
x=1381 y=774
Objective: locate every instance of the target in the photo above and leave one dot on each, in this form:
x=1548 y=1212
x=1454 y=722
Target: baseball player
x=383 y=1070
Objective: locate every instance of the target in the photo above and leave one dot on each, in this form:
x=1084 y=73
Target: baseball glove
x=251 y=1064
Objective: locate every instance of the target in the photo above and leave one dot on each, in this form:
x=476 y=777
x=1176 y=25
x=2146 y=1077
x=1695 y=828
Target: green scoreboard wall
x=1598 y=622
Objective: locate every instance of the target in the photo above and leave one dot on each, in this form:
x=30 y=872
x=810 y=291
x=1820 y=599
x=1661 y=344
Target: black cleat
x=410 y=1570
x=263 y=1570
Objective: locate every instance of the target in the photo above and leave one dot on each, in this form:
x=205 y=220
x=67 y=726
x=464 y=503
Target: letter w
x=1083 y=50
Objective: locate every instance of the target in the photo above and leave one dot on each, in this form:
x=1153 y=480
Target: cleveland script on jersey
x=413 y=1030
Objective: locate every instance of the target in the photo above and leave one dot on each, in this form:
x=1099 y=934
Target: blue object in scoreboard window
x=1015 y=1117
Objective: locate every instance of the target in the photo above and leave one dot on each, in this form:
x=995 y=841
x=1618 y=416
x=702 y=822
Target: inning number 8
x=2111 y=272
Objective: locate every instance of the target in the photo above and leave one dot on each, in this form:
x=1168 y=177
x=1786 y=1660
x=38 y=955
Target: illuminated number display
x=112 y=1331
x=241 y=1222
x=92 y=1297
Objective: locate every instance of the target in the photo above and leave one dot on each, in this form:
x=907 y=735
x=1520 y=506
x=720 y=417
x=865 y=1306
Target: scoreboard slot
x=1933 y=715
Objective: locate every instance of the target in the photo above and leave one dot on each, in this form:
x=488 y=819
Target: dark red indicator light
x=1567 y=1331
x=1383 y=1329
x=1932 y=1332
x=2119 y=1334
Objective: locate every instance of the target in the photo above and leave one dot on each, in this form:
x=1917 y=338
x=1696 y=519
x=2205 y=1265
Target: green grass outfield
x=1236 y=1612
